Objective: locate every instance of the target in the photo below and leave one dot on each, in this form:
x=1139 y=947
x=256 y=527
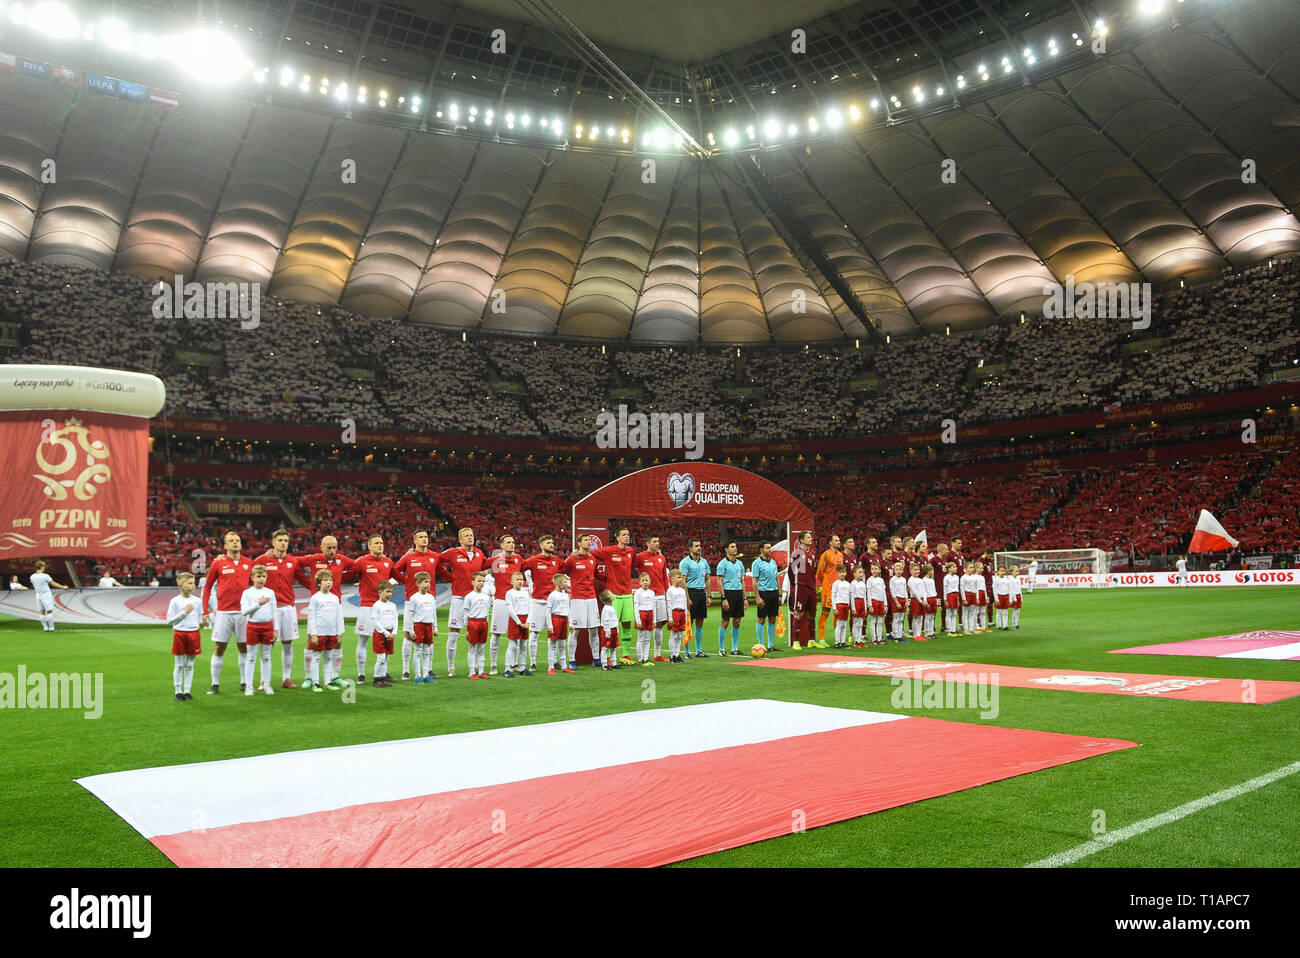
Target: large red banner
x=73 y=483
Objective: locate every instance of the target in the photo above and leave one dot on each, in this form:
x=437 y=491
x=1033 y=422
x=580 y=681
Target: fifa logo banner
x=74 y=474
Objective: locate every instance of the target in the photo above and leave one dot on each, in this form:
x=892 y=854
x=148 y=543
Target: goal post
x=1059 y=562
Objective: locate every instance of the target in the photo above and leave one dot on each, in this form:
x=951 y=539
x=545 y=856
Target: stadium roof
x=1125 y=167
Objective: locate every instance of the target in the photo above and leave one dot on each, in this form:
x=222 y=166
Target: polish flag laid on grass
x=1210 y=536
x=613 y=790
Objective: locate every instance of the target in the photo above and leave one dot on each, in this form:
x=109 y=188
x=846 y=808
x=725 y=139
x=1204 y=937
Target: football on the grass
x=757 y=651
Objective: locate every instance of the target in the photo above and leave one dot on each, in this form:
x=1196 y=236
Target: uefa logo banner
x=681 y=487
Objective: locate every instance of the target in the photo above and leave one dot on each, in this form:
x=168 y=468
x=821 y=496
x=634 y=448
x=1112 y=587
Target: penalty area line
x=1072 y=855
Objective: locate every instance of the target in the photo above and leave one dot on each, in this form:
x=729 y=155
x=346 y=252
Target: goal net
x=1091 y=566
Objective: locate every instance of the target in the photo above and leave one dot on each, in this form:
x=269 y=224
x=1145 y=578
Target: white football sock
x=178 y=673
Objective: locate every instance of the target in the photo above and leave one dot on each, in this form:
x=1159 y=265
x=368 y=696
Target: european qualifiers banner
x=73 y=483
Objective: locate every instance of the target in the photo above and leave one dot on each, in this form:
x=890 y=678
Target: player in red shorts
x=184 y=615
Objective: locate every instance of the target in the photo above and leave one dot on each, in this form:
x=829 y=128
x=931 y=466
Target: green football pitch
x=1187 y=749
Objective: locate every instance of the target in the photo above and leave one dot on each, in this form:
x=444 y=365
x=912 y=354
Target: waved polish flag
x=1210 y=536
x=920 y=540
x=572 y=793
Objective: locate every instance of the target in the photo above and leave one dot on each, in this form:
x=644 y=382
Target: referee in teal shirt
x=765 y=590
x=732 y=573
x=696 y=570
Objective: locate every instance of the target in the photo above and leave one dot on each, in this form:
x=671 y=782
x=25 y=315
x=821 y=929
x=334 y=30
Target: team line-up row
x=592 y=594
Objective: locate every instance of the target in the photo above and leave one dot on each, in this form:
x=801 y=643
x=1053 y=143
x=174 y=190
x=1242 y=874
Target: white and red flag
x=573 y=793
x=1210 y=536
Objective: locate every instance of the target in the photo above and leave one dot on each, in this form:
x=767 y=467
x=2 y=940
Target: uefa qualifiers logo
x=681 y=487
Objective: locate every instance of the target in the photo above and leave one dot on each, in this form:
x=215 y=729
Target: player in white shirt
x=951 y=598
x=42 y=583
x=919 y=600
x=1001 y=600
x=841 y=602
x=858 y=605
x=557 y=618
x=184 y=616
x=1180 y=576
x=1032 y=572
x=383 y=621
x=609 y=637
x=677 y=601
x=258 y=607
x=643 y=615
x=518 y=604
x=877 y=605
x=324 y=623
x=106 y=581
x=422 y=616
x=1013 y=581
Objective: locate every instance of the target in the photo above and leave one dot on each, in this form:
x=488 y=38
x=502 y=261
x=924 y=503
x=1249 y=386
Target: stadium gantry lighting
x=751 y=133
x=834 y=119
x=609 y=132
x=875 y=103
x=812 y=124
x=771 y=129
x=961 y=82
x=919 y=94
x=305 y=84
x=341 y=92
x=545 y=123
x=53 y=19
x=731 y=137
x=1150 y=7
x=115 y=34
x=854 y=113
x=415 y=104
x=557 y=127
x=211 y=56
x=526 y=121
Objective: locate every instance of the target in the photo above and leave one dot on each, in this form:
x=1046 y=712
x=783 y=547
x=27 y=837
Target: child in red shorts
x=183 y=615
x=477 y=606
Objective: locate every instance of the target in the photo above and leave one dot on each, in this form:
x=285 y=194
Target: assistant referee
x=696 y=570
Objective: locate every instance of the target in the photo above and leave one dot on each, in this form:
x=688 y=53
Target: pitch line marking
x=1072 y=855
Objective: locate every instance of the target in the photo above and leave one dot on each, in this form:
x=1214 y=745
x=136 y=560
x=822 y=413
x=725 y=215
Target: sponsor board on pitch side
x=1147 y=580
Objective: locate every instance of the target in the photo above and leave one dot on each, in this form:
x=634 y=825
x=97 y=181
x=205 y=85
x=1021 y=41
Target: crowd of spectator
x=306 y=363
